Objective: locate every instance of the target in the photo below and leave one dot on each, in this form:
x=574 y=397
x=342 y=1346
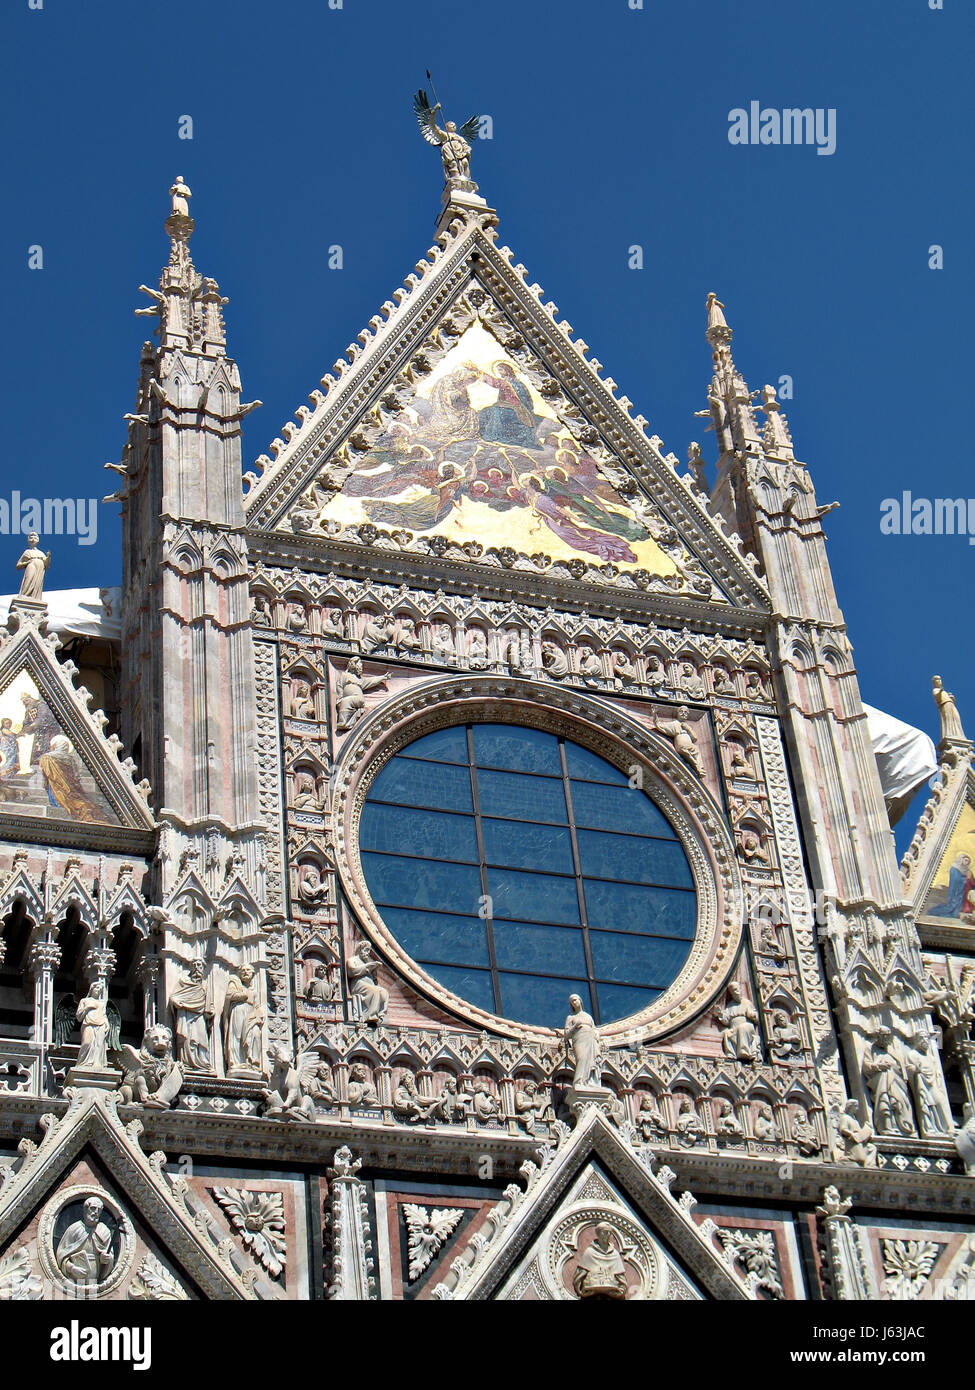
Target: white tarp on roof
x=906 y=758
x=80 y=612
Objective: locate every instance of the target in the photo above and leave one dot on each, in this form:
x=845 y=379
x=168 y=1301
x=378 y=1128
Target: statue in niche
x=682 y=736
x=582 y=1046
x=407 y=639
x=533 y=1105
x=624 y=670
x=316 y=1081
x=35 y=564
x=485 y=1106
x=689 y=1128
x=319 y=989
x=377 y=632
x=950 y=719
x=260 y=610
x=933 y=1115
x=362 y=1091
x=477 y=650
x=443 y=642
x=84 y=1253
x=297 y=619
x=306 y=792
x=739 y=764
x=764 y=1126
x=93 y=1019
x=888 y=1088
x=769 y=943
x=656 y=673
x=362 y=971
x=726 y=1122
x=151 y=1076
x=723 y=684
x=302 y=703
x=284 y=1096
x=853 y=1139
x=649 y=1120
x=192 y=1015
x=739 y=1031
x=409 y=1104
x=554 y=661
x=455 y=1103
x=785 y=1040
x=753 y=848
x=691 y=682
x=754 y=686
x=333 y=623
x=243 y=1018
x=590 y=664
x=352 y=689
x=601 y=1272
x=804 y=1134
x=312 y=889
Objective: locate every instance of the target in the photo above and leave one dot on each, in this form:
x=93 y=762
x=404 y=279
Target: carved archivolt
x=614 y=736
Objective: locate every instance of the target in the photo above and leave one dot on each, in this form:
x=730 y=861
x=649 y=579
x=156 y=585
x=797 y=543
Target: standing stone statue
x=92 y=1018
x=950 y=718
x=739 y=1033
x=34 y=563
x=455 y=145
x=582 y=1045
x=192 y=1015
x=242 y=1020
x=362 y=970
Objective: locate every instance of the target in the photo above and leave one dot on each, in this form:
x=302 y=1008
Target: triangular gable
x=937 y=879
x=492 y=1265
x=163 y=1203
x=62 y=780
x=470 y=426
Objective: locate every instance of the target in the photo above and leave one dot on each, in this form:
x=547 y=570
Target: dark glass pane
x=545 y=950
x=657 y=911
x=407 y=883
x=531 y=798
x=528 y=999
x=525 y=846
x=473 y=985
x=637 y=960
x=429 y=834
x=618 y=808
x=443 y=746
x=637 y=859
x=522 y=750
x=533 y=897
x=619 y=1001
x=409 y=782
x=438 y=936
x=590 y=767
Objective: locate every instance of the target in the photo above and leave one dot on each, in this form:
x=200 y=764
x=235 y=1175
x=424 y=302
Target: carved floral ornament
x=696 y=818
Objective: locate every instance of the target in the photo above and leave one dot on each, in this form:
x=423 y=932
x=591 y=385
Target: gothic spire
x=189 y=305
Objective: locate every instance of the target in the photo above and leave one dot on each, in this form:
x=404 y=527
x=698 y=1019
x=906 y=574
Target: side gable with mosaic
x=515 y=893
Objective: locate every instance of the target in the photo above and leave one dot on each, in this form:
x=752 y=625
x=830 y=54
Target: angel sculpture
x=455 y=145
x=100 y=1023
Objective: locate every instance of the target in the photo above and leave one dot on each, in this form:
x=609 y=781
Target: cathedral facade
x=301 y=997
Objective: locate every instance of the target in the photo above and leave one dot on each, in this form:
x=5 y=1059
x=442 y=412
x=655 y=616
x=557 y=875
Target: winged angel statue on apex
x=455 y=145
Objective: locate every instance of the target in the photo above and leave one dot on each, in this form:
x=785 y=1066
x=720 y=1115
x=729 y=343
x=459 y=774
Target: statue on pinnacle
x=455 y=145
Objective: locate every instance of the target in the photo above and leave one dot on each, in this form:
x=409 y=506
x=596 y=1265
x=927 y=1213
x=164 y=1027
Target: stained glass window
x=517 y=868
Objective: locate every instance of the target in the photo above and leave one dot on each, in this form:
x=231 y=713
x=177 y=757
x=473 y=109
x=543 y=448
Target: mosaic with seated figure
x=41 y=773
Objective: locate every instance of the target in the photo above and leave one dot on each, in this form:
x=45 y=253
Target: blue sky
x=610 y=129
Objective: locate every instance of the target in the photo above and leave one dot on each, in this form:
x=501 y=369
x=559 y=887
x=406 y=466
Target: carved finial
x=179 y=223
x=951 y=729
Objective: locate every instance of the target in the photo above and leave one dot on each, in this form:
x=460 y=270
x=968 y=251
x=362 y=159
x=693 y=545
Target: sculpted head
x=575 y=1003
x=93 y=1209
x=158 y=1040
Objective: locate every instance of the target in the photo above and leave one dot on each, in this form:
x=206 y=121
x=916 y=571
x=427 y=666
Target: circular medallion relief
x=601 y=1253
x=85 y=1242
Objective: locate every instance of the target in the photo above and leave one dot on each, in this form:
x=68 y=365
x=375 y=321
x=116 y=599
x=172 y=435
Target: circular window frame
x=611 y=733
